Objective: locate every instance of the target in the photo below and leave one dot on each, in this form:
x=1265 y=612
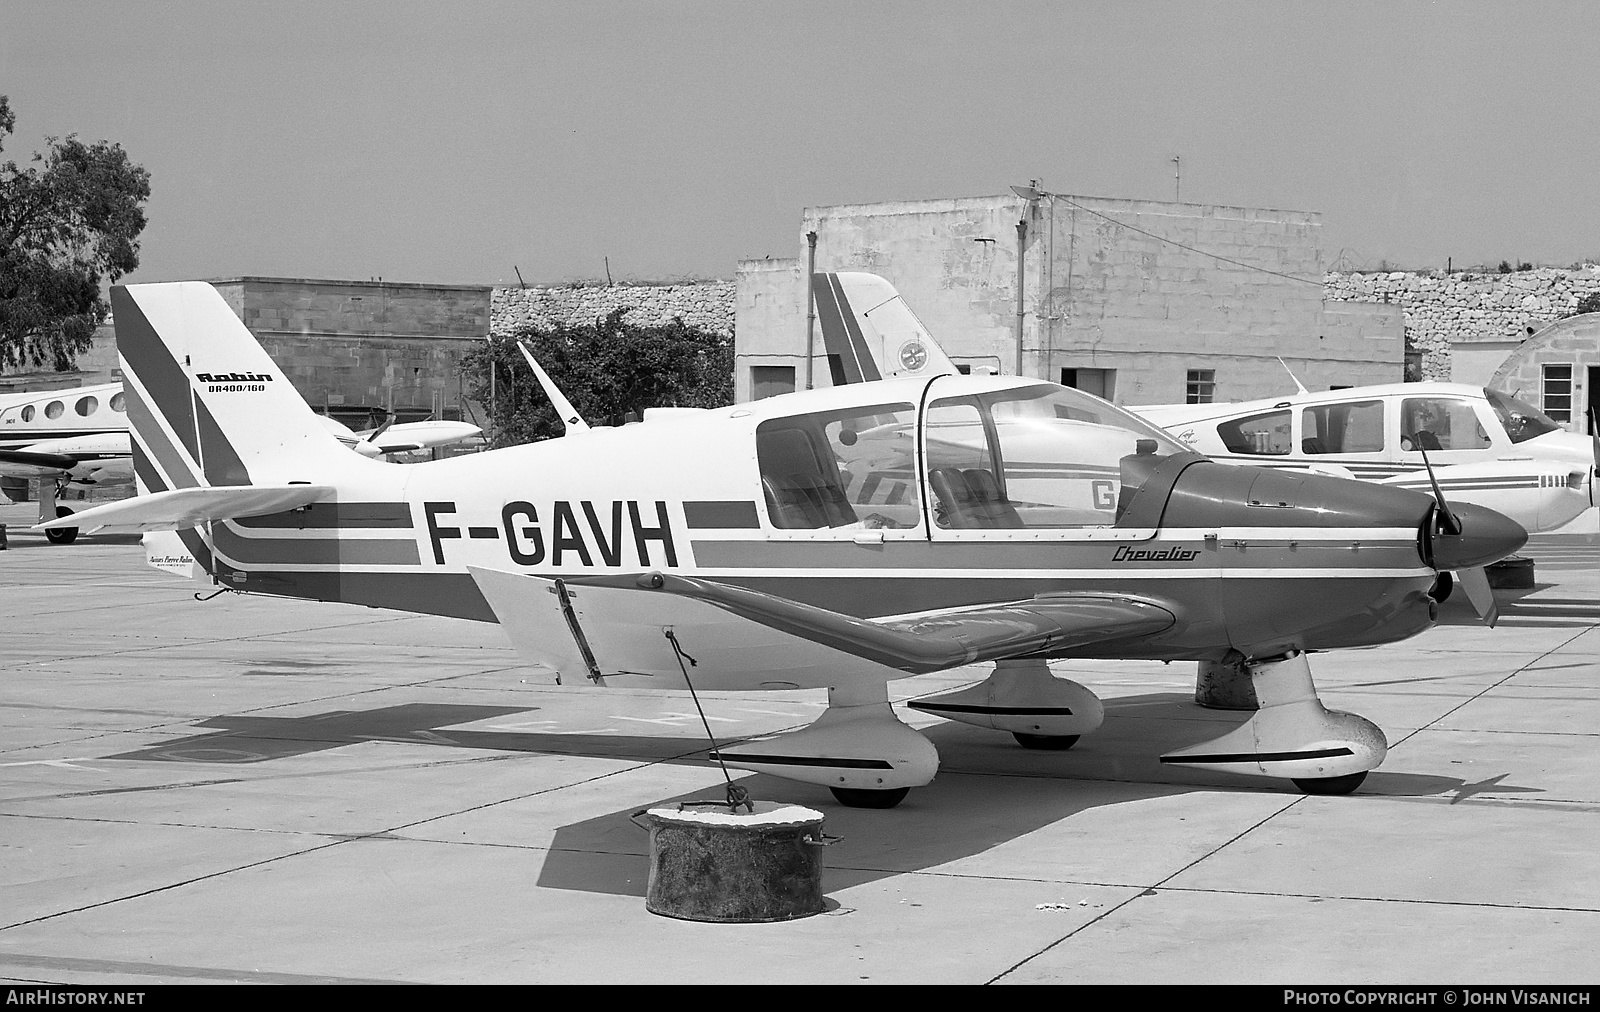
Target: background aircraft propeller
x=1474 y=580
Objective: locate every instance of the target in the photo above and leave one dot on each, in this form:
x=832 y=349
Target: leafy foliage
x=608 y=369
x=68 y=224
x=1588 y=304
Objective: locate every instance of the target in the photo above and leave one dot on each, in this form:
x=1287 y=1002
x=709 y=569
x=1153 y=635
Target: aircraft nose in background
x=1486 y=536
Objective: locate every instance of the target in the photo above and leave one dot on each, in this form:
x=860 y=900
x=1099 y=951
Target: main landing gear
x=868 y=758
x=48 y=510
x=1040 y=710
x=858 y=749
x=1291 y=735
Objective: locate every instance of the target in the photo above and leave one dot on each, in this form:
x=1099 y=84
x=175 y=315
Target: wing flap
x=180 y=509
x=932 y=642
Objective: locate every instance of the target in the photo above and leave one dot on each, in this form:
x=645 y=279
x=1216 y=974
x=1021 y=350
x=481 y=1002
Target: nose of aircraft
x=1486 y=536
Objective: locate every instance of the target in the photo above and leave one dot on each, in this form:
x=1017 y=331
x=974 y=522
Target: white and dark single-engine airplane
x=1481 y=446
x=79 y=437
x=835 y=538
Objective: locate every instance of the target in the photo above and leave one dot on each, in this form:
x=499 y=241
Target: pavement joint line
x=1410 y=900
x=130 y=967
x=1148 y=890
x=152 y=728
x=342 y=841
x=269 y=778
x=1490 y=688
x=206 y=642
x=172 y=885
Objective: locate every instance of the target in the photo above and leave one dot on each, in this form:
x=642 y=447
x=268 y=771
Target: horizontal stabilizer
x=180 y=509
x=930 y=642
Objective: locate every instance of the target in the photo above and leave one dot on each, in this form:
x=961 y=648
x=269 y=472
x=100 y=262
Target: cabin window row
x=85 y=406
x=1426 y=423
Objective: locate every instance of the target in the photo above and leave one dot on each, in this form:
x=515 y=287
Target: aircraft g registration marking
x=526 y=542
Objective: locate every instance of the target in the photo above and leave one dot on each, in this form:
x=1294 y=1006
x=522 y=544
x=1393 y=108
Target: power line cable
x=1174 y=242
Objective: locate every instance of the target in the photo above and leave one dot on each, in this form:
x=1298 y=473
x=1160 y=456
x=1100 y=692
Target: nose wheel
x=1330 y=785
x=859 y=797
x=1046 y=742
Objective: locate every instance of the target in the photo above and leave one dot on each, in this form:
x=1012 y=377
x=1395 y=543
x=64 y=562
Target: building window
x=1100 y=382
x=1202 y=386
x=1557 y=390
x=770 y=381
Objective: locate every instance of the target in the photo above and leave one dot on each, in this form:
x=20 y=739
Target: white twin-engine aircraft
x=1484 y=445
x=835 y=538
x=79 y=437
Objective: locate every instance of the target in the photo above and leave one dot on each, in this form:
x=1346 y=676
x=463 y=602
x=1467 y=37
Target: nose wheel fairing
x=1292 y=735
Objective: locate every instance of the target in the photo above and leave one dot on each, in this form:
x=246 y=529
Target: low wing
x=934 y=641
x=424 y=435
x=34 y=464
x=180 y=509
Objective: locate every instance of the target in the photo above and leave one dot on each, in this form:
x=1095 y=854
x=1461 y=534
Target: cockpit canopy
x=1011 y=455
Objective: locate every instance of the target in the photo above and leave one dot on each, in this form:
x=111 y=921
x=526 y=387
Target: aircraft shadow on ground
x=989 y=791
x=1519 y=610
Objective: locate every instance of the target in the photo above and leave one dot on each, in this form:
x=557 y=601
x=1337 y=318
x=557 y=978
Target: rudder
x=208 y=406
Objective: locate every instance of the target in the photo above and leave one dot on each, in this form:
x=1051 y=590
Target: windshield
x=1035 y=456
x=1522 y=421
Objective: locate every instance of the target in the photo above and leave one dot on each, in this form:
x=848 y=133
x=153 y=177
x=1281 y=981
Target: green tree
x=609 y=370
x=1588 y=304
x=69 y=224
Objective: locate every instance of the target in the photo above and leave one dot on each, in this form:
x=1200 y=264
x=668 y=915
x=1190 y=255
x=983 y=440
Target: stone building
x=365 y=350
x=1139 y=301
x=1557 y=370
x=1465 y=323
x=360 y=351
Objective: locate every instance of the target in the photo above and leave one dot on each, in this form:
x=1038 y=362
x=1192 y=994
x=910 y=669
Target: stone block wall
x=704 y=305
x=1460 y=309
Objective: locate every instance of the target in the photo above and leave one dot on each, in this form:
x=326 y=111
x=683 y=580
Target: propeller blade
x=1594 y=436
x=1475 y=582
x=372 y=437
x=1447 y=520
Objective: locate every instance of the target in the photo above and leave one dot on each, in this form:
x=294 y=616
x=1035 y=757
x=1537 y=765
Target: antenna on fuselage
x=569 y=414
x=1298 y=386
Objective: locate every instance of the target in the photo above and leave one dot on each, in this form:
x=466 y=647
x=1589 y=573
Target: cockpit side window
x=1030 y=457
x=1265 y=434
x=1440 y=423
x=1351 y=427
x=847 y=468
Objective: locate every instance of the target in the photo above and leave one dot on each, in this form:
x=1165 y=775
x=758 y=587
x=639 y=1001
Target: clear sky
x=447 y=142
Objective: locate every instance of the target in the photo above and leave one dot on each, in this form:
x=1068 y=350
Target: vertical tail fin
x=870 y=333
x=208 y=406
